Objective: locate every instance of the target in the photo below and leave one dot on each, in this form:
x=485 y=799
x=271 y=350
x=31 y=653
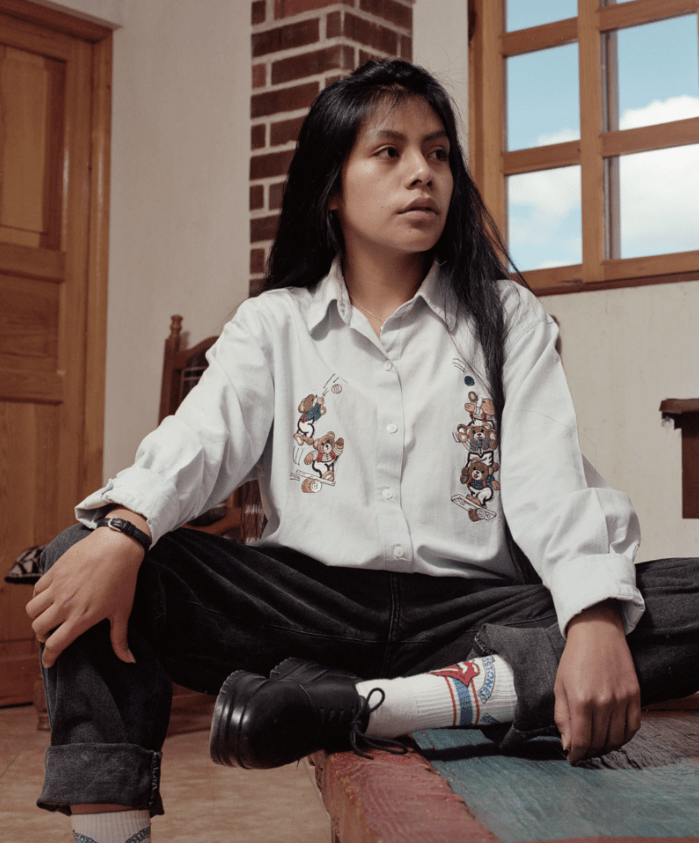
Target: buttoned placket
x=396 y=543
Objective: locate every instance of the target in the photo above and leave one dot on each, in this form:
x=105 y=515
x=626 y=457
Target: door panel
x=46 y=116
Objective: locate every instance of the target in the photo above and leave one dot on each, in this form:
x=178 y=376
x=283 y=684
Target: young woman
x=434 y=535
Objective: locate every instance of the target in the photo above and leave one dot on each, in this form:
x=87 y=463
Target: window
x=584 y=137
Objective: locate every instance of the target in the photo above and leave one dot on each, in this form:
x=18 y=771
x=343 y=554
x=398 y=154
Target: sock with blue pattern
x=479 y=692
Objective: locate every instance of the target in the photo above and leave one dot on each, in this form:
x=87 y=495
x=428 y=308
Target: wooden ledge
x=685 y=414
x=392 y=798
x=678 y=406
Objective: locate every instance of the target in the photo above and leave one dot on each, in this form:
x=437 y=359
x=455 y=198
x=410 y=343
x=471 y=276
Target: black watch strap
x=121 y=525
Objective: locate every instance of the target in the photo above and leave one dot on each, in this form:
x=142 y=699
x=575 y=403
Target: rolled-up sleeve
x=198 y=456
x=580 y=535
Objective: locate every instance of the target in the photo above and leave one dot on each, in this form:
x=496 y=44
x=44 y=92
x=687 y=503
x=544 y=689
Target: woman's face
x=396 y=183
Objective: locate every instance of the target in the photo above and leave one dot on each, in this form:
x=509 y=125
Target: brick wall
x=298 y=47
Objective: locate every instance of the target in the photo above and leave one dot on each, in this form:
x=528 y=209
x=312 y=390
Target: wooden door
x=54 y=111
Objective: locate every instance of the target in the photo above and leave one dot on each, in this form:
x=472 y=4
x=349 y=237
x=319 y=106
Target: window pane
x=544 y=218
x=659 y=201
x=543 y=102
x=658 y=72
x=524 y=13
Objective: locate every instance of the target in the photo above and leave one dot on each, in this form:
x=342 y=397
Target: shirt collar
x=332 y=289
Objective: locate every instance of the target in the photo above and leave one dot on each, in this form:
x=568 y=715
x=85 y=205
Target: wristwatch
x=121 y=525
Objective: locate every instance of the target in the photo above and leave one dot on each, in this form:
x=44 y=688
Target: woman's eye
x=388 y=152
x=441 y=154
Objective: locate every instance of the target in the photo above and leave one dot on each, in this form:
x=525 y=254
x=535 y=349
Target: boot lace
x=357 y=732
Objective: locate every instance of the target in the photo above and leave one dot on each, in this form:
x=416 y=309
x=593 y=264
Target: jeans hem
x=94 y=774
x=533 y=655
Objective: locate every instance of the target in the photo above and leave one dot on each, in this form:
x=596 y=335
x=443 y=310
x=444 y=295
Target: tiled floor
x=203 y=802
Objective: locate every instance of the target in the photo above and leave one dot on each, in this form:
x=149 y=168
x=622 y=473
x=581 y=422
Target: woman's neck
x=379 y=287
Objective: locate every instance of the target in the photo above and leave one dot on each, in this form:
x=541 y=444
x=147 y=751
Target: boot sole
x=224 y=739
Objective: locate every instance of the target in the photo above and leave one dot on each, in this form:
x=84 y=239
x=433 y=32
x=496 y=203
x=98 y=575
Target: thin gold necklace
x=367 y=311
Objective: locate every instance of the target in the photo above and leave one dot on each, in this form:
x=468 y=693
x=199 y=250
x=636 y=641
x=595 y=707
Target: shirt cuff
x=156 y=505
x=589 y=580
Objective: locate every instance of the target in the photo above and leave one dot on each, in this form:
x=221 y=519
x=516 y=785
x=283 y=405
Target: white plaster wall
x=624 y=351
x=440 y=44
x=179 y=229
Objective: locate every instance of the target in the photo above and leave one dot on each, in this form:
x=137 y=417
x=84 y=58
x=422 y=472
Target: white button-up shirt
x=384 y=452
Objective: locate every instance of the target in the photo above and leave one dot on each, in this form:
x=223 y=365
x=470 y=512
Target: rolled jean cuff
x=533 y=655
x=94 y=774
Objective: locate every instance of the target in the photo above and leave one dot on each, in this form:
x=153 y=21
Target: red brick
x=259 y=12
x=258 y=136
x=257 y=261
x=333 y=25
x=370 y=34
x=285 y=37
x=259 y=75
x=257 y=197
x=330 y=79
x=310 y=64
x=406 y=48
x=263 y=228
x=273 y=164
x=285 y=99
x=364 y=57
x=285 y=131
x=286 y=8
x=389 y=10
x=276 y=191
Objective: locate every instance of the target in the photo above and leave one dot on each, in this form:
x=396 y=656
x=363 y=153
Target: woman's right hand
x=94 y=580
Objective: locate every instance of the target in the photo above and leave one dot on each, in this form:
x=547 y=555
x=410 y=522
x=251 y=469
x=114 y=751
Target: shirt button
x=388 y=365
x=392 y=428
x=388 y=494
x=399 y=551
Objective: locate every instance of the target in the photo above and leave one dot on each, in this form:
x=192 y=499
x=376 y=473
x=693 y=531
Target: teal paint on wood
x=541 y=797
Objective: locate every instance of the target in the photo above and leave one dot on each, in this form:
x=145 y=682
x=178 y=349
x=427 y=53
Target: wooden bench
x=454 y=786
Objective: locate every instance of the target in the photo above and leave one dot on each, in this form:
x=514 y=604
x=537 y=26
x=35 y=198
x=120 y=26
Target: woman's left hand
x=598 y=699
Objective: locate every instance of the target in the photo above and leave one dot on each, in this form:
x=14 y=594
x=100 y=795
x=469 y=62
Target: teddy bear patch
x=478 y=435
x=316 y=454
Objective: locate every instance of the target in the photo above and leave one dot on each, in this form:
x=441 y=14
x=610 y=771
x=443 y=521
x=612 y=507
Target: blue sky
x=658 y=81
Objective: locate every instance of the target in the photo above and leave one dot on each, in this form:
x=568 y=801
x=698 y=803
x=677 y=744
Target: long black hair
x=309 y=237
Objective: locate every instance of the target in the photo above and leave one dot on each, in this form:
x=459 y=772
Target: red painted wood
x=393 y=798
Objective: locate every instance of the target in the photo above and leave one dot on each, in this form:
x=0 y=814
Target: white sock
x=111 y=827
x=473 y=693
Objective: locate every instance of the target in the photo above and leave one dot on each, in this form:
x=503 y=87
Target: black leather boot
x=303 y=707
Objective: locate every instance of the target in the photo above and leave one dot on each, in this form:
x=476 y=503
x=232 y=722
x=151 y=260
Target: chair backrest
x=182 y=368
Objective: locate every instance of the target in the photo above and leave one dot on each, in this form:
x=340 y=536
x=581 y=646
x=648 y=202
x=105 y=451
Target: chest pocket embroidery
x=316 y=455
x=479 y=437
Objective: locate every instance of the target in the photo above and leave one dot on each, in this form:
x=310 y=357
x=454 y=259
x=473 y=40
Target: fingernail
x=131 y=656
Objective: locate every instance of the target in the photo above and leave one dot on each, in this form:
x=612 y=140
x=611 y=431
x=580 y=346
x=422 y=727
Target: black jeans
x=206 y=606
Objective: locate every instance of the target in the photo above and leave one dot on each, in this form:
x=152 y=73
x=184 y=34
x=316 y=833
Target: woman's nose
x=419 y=170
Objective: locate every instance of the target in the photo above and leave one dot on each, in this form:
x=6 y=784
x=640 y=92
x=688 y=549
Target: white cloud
x=660 y=189
x=562 y=136
x=550 y=194
x=660 y=111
